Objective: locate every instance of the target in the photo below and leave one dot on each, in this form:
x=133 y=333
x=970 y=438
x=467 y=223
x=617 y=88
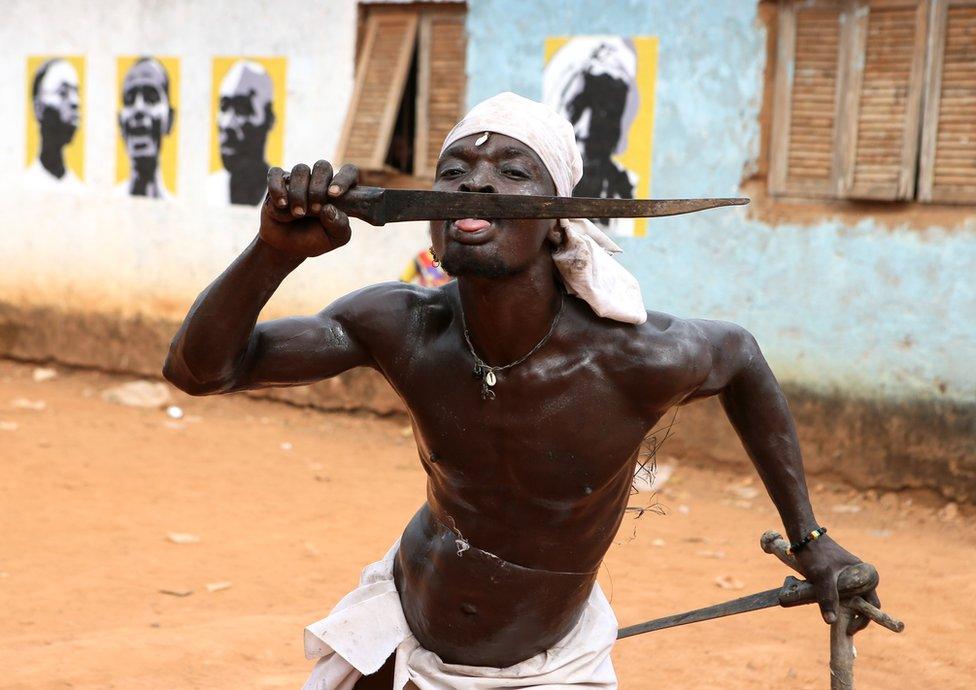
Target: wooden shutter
x=440 y=84
x=382 y=73
x=807 y=99
x=947 y=167
x=883 y=103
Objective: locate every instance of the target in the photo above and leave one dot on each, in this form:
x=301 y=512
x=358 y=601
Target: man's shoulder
x=673 y=341
x=661 y=357
x=401 y=293
x=666 y=339
x=394 y=304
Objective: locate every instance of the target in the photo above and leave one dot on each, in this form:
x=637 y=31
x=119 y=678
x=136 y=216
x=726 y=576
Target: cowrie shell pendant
x=490 y=378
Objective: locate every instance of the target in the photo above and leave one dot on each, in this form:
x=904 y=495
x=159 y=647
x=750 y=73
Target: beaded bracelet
x=798 y=546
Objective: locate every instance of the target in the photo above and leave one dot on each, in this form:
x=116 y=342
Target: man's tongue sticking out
x=472 y=224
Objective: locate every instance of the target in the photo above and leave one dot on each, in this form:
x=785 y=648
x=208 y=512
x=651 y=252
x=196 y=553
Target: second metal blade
x=753 y=602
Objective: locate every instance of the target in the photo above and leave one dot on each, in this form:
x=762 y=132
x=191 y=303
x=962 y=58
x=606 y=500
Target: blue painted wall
x=864 y=309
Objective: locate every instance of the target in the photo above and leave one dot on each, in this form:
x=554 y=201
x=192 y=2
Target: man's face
x=146 y=114
x=56 y=104
x=243 y=120
x=596 y=113
x=491 y=248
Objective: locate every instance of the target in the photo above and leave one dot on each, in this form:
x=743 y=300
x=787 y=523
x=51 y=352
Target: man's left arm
x=756 y=406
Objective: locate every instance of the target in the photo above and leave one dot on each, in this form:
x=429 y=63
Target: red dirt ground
x=289 y=504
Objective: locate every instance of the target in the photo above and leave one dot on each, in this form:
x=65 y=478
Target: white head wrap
x=584 y=255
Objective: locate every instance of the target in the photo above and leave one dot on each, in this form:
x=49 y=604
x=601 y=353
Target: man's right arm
x=220 y=347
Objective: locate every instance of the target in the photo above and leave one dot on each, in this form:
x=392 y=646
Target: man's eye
x=516 y=173
x=451 y=172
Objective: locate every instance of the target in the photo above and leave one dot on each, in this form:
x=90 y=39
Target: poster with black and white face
x=248 y=110
x=148 y=90
x=593 y=81
x=55 y=141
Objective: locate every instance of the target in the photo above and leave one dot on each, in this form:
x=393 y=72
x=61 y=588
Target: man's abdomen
x=471 y=607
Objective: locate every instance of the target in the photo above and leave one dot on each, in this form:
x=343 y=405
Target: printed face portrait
x=56 y=102
x=146 y=151
x=599 y=84
x=146 y=115
x=248 y=106
x=54 y=138
x=245 y=115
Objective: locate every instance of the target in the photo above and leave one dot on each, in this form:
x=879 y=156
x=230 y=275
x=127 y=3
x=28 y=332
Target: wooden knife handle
x=365 y=203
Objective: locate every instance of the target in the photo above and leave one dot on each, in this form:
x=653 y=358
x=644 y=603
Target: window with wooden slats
x=382 y=74
x=410 y=87
x=440 y=92
x=806 y=99
x=858 y=110
x=889 y=47
x=948 y=160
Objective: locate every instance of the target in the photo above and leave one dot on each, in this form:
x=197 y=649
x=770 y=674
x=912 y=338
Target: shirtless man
x=526 y=489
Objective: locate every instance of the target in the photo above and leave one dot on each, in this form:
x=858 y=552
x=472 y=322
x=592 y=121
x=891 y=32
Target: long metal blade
x=409 y=204
x=753 y=602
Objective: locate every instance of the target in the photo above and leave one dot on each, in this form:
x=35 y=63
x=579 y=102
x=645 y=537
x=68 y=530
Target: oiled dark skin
x=538 y=477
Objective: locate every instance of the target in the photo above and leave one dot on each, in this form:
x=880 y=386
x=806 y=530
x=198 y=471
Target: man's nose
x=476 y=182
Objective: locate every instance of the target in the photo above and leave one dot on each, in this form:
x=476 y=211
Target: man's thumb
x=827 y=597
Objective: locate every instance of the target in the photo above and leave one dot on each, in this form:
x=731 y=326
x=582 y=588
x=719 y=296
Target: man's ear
x=556 y=234
x=38 y=109
x=169 y=121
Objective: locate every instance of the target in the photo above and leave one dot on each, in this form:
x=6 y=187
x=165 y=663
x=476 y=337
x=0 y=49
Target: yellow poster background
x=74 y=153
x=169 y=148
x=276 y=67
x=640 y=140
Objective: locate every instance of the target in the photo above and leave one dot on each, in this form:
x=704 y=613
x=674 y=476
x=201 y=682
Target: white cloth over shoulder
x=584 y=252
x=367 y=625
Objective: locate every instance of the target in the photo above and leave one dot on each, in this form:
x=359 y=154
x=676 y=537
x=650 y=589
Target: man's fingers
x=276 y=188
x=336 y=225
x=827 y=596
x=298 y=190
x=318 y=186
x=344 y=180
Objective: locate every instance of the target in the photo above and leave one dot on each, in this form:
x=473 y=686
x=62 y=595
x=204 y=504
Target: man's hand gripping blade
x=853 y=581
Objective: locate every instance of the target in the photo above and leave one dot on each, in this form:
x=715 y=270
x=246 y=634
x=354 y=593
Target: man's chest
x=558 y=424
